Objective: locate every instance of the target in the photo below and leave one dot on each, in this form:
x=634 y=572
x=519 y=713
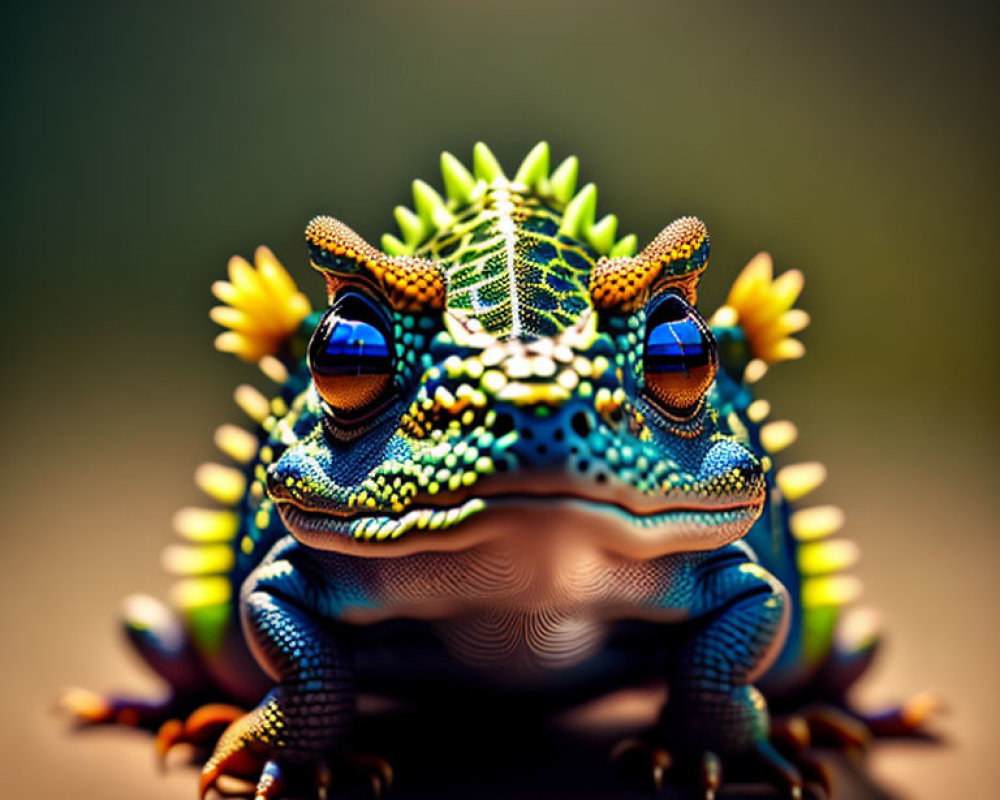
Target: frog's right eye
x=350 y=357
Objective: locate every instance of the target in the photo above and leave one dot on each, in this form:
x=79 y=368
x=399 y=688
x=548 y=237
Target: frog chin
x=672 y=527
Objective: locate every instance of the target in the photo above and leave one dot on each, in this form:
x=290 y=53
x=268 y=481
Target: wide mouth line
x=509 y=499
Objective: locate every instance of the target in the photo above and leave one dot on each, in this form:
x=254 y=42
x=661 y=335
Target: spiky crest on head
x=409 y=284
x=433 y=213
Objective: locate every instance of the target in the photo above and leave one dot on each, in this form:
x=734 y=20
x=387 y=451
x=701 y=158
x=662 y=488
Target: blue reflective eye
x=353 y=348
x=680 y=357
x=676 y=346
x=350 y=357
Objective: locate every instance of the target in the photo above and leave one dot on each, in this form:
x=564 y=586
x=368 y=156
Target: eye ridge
x=680 y=359
x=351 y=358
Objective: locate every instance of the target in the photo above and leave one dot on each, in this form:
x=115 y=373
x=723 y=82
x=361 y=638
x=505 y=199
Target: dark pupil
x=677 y=345
x=351 y=348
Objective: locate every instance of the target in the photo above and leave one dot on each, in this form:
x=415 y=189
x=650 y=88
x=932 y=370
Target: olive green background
x=143 y=143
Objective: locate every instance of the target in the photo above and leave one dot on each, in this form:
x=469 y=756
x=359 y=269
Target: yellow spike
x=830 y=590
x=626 y=246
x=783 y=350
x=237 y=443
x=724 y=317
x=756 y=275
x=535 y=166
x=791 y=321
x=818 y=522
x=273 y=369
x=776 y=436
x=459 y=184
x=579 y=214
x=410 y=224
x=233 y=318
x=794 y=320
x=755 y=370
x=224 y=484
x=241 y=345
x=201 y=559
x=394 y=246
x=563 y=180
x=273 y=274
x=430 y=206
x=758 y=410
x=485 y=165
x=201 y=592
x=798 y=480
x=785 y=290
x=821 y=558
x=602 y=233
x=253 y=403
x=858 y=629
x=246 y=281
x=204 y=525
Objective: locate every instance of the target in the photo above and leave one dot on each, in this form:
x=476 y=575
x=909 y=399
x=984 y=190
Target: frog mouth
x=646 y=531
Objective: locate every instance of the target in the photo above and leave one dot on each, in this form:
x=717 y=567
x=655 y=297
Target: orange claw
x=203 y=726
x=85 y=706
x=170 y=733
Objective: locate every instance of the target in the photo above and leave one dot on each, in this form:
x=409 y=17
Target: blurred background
x=144 y=143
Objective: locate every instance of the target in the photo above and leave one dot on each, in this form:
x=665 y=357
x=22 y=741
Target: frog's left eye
x=680 y=359
x=350 y=357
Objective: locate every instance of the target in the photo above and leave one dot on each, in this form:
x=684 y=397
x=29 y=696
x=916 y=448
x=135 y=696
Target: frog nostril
x=503 y=424
x=582 y=424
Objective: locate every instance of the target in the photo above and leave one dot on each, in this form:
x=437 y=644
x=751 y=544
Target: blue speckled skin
x=516 y=512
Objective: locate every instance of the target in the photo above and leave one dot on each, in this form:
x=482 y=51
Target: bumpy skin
x=507 y=486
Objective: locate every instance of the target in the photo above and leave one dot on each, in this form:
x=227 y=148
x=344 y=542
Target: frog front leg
x=289 y=617
x=738 y=619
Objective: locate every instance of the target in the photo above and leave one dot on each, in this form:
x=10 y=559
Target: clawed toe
x=652 y=761
x=202 y=728
x=376 y=771
x=656 y=763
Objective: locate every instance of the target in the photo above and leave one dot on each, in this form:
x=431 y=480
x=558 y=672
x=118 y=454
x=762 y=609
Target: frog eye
x=680 y=356
x=350 y=357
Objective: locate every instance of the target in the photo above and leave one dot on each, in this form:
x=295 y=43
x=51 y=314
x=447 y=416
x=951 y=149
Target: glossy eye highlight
x=350 y=357
x=680 y=356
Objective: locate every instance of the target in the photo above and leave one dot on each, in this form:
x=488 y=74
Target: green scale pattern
x=508 y=267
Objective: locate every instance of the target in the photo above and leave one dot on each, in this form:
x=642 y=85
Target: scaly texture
x=515 y=430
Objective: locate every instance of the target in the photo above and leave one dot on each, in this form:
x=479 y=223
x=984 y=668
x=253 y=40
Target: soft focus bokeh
x=143 y=143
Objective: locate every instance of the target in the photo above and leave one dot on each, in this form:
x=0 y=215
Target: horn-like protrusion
x=535 y=167
x=431 y=206
x=411 y=225
x=602 y=233
x=563 y=181
x=459 y=184
x=409 y=284
x=579 y=215
x=676 y=257
x=485 y=164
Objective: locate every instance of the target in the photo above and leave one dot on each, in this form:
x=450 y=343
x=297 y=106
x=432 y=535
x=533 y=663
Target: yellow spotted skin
x=503 y=341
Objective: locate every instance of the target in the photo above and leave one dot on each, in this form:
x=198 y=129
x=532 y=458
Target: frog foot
x=246 y=751
x=202 y=728
x=853 y=731
x=820 y=724
x=793 y=780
